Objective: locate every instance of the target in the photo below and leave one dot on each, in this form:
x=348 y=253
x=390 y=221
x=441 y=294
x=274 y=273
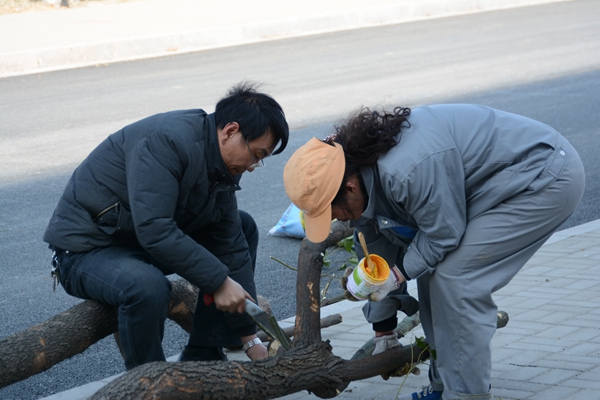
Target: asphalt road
x=542 y=62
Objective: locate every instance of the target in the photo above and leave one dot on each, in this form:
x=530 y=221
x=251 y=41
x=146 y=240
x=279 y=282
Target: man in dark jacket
x=158 y=198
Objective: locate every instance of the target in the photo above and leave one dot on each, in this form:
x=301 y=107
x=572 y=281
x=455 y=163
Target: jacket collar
x=369 y=176
x=217 y=170
x=387 y=215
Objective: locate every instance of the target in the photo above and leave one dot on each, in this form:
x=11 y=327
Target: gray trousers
x=456 y=307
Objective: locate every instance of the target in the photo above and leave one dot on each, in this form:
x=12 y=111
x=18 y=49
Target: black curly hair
x=365 y=136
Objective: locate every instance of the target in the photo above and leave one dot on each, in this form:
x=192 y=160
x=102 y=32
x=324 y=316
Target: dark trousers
x=129 y=278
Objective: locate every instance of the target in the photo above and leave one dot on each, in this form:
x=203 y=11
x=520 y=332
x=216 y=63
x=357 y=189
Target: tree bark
x=308 y=365
x=310 y=263
x=69 y=333
x=313 y=368
x=38 y=348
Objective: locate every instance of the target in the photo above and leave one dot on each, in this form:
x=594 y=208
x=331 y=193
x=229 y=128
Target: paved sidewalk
x=549 y=350
x=102 y=33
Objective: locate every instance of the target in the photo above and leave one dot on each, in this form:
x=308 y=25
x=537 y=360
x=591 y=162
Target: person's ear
x=229 y=131
x=351 y=187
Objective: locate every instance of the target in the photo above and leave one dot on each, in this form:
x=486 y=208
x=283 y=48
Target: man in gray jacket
x=158 y=198
x=456 y=196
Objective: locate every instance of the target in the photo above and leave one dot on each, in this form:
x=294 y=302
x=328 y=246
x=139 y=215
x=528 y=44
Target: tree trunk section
x=71 y=332
x=310 y=263
x=38 y=348
x=309 y=365
x=313 y=368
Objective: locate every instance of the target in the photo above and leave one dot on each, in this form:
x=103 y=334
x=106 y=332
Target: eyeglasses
x=256 y=163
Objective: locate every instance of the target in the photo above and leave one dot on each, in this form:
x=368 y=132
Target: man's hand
x=230 y=297
x=393 y=282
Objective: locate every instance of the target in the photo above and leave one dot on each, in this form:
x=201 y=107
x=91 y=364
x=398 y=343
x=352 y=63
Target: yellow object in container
x=361 y=283
x=372 y=268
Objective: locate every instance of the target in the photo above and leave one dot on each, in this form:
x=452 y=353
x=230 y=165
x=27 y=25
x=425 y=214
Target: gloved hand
x=385 y=342
x=347 y=272
x=393 y=282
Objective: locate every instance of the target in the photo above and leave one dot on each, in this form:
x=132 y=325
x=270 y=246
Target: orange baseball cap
x=312 y=177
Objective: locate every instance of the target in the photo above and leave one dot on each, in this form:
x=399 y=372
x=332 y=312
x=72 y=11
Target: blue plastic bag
x=291 y=224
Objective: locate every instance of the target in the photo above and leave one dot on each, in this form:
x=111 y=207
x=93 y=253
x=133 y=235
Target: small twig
x=324 y=291
x=334 y=249
x=333 y=300
x=284 y=264
x=295 y=269
x=330 y=276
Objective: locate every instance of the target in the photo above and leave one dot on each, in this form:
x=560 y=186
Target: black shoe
x=202 y=354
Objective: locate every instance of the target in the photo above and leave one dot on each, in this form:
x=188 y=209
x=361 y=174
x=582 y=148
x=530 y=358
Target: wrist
x=249 y=344
x=397 y=275
x=386 y=333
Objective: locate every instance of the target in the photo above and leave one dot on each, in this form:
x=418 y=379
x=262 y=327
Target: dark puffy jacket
x=159 y=183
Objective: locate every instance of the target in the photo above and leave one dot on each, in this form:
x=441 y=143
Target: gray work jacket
x=453 y=163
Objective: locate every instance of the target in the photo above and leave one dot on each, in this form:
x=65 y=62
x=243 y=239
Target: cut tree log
x=408 y=324
x=71 y=332
x=308 y=365
x=405 y=326
x=311 y=367
x=38 y=348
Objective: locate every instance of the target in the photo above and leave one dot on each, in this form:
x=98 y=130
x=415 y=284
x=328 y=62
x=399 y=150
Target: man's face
x=238 y=154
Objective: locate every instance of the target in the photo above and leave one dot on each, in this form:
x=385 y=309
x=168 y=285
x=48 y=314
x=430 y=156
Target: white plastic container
x=361 y=283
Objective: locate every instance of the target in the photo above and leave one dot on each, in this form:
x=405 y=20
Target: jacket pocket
x=114 y=219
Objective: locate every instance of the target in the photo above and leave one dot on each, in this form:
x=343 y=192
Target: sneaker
x=202 y=354
x=426 y=394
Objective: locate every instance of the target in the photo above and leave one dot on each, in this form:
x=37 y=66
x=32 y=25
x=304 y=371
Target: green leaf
x=347 y=243
x=353 y=260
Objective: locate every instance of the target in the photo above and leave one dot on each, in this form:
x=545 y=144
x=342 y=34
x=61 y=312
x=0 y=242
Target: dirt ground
x=19 y=6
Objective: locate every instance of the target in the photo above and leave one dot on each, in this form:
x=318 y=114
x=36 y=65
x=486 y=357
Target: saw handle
x=208 y=299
